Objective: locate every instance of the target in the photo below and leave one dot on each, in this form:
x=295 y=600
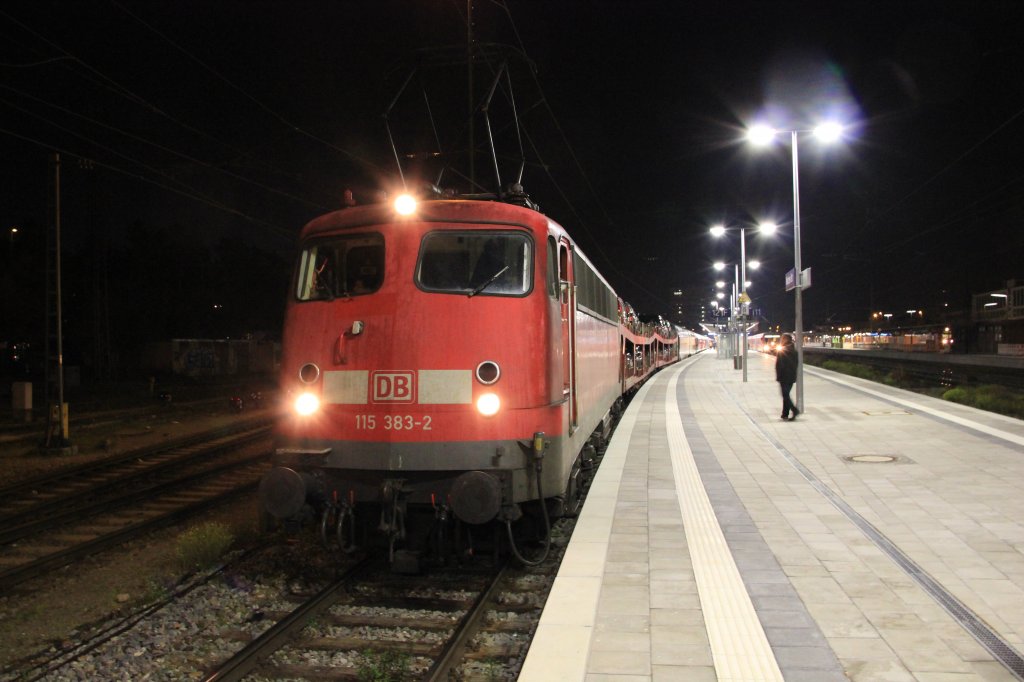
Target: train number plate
x=393 y=422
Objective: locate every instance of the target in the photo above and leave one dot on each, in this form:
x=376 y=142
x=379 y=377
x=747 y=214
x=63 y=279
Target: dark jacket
x=785 y=364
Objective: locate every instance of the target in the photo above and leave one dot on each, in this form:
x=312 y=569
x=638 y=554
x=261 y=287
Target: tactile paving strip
x=739 y=646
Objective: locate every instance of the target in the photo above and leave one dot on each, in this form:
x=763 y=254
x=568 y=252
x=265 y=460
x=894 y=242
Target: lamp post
x=733 y=308
x=763 y=135
x=741 y=276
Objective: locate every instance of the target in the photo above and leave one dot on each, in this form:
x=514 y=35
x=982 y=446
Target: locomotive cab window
x=552 y=270
x=351 y=265
x=476 y=263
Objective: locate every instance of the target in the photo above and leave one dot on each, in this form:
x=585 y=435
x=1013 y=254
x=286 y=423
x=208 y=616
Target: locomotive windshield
x=351 y=265
x=485 y=263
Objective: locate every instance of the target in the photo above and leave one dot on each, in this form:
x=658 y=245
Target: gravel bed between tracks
x=67 y=607
x=64 y=606
x=184 y=637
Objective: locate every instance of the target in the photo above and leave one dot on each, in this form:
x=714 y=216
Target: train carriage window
x=592 y=294
x=350 y=265
x=482 y=263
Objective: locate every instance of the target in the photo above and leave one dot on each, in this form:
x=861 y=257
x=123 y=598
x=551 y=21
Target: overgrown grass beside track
x=987 y=397
x=992 y=398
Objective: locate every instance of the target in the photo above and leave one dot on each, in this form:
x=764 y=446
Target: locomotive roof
x=446 y=210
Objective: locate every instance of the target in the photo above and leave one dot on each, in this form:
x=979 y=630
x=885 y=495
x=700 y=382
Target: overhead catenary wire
x=581 y=222
x=156 y=171
x=291 y=126
x=934 y=226
x=276 y=229
x=973 y=148
x=163 y=148
x=104 y=81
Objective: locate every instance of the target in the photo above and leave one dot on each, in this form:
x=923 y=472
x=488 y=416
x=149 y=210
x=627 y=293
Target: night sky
x=224 y=126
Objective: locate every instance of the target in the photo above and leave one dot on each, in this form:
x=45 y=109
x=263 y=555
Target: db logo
x=393 y=387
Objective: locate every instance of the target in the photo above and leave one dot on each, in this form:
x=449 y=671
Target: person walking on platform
x=785 y=374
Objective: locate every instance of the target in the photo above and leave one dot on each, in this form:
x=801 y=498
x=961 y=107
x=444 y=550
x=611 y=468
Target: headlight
x=306 y=404
x=405 y=204
x=488 y=404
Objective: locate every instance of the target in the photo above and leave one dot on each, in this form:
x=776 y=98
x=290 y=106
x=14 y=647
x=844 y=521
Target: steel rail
x=16 y=432
x=75 y=651
x=80 y=513
x=129 y=456
x=275 y=638
x=19 y=574
x=79 y=500
x=468 y=626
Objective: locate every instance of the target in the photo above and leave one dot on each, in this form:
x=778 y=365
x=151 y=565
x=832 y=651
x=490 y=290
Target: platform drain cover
x=872 y=459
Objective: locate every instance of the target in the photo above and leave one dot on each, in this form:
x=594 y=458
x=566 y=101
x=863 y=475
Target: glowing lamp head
x=829 y=132
x=405 y=205
x=761 y=135
x=306 y=404
x=488 y=404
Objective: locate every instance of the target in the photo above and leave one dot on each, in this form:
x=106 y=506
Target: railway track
x=936 y=370
x=277 y=615
x=50 y=521
x=88 y=417
x=402 y=627
x=470 y=625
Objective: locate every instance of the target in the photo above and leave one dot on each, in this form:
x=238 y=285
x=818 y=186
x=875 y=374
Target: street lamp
x=763 y=135
x=742 y=283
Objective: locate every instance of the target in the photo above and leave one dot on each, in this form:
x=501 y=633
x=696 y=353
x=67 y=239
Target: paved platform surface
x=879 y=537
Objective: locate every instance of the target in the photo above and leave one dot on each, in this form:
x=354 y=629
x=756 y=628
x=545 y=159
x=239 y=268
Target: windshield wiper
x=488 y=283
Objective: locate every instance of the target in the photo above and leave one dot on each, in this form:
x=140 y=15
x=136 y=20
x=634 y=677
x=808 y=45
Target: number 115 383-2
x=393 y=422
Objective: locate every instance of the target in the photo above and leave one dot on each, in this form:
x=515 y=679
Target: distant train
x=452 y=361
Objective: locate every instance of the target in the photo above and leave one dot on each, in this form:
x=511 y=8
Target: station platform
x=878 y=537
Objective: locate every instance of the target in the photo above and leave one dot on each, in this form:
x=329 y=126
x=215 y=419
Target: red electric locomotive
x=452 y=356
x=457 y=357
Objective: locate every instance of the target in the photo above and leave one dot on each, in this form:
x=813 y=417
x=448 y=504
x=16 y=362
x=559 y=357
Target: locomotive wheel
x=574 y=491
x=266 y=523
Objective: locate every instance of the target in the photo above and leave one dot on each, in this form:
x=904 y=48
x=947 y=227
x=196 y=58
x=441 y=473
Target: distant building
x=212 y=357
x=998 y=320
